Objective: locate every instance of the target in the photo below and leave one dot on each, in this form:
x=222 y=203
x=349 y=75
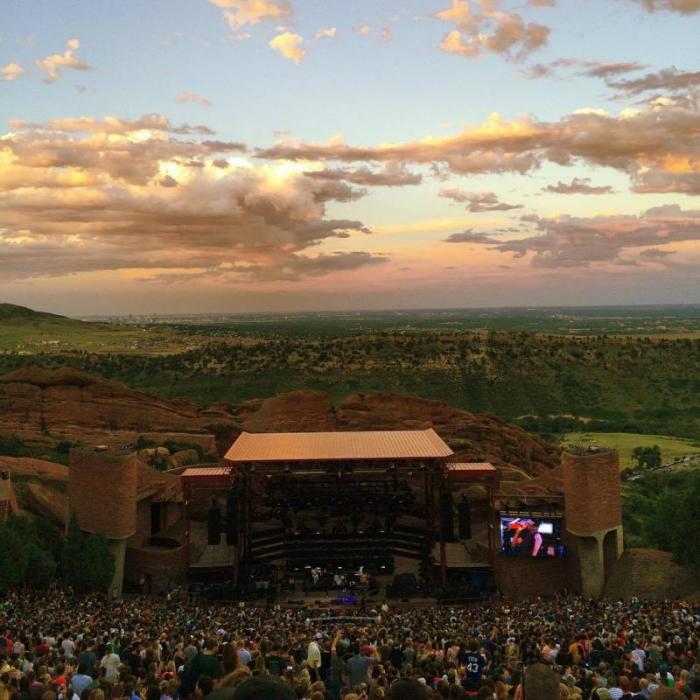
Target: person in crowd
x=54 y=646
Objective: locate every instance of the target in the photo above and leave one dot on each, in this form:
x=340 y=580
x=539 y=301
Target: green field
x=28 y=332
x=624 y=443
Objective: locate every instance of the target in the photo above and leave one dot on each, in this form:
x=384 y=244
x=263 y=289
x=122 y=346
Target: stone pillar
x=103 y=486
x=117 y=549
x=592 y=511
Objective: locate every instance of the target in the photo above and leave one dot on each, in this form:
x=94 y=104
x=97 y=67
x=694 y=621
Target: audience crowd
x=57 y=647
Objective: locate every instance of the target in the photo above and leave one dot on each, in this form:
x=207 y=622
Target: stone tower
x=102 y=489
x=593 y=513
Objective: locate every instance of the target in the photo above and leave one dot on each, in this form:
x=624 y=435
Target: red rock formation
x=651 y=574
x=45 y=406
x=297 y=411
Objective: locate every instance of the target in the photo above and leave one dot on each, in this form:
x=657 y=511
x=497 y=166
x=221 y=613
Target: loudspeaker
x=464 y=520
x=232 y=516
x=214 y=525
x=447 y=525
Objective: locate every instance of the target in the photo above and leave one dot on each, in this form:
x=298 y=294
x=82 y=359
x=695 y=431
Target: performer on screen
x=526 y=539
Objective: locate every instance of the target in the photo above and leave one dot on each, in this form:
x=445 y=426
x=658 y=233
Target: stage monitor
x=529 y=536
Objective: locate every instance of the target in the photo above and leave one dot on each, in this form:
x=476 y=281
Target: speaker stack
x=214 y=524
x=464 y=520
x=232 y=515
x=447 y=525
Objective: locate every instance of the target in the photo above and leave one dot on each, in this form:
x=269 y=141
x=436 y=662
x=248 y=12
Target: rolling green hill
x=28 y=332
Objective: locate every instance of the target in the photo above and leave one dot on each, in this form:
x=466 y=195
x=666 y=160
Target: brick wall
x=592 y=491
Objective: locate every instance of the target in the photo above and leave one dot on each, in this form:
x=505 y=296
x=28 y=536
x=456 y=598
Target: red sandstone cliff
x=43 y=407
x=527 y=463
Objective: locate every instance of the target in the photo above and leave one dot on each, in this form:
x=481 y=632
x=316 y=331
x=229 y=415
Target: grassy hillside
x=29 y=332
x=671 y=447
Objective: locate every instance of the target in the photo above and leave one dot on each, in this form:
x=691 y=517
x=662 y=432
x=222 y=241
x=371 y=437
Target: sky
x=193 y=156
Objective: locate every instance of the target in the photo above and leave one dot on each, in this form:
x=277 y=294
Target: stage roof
x=207 y=476
x=471 y=471
x=341 y=445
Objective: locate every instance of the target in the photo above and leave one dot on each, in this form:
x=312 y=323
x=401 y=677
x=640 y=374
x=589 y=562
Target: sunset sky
x=182 y=156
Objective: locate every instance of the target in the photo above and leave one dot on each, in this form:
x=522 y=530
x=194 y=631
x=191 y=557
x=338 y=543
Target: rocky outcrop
x=43 y=500
x=182 y=458
x=296 y=411
x=26 y=467
x=650 y=574
x=520 y=456
x=43 y=407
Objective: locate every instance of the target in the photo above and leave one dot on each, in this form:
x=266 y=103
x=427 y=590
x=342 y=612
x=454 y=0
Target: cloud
x=655 y=139
x=240 y=13
x=391 y=175
x=469 y=236
x=578 y=185
x=329 y=33
x=76 y=199
x=386 y=34
x=11 y=71
x=52 y=65
x=686 y=7
x=477 y=201
x=489 y=30
x=292 y=268
x=585 y=68
x=112 y=125
x=365 y=30
x=109 y=149
x=569 y=242
x=659 y=180
x=656 y=253
x=542 y=3
x=189 y=96
x=668 y=80
x=288 y=45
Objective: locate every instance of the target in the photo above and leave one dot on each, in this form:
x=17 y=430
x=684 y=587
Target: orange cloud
x=662 y=137
x=239 y=13
x=11 y=72
x=489 y=29
x=52 y=65
x=566 y=241
x=685 y=7
x=289 y=45
x=75 y=199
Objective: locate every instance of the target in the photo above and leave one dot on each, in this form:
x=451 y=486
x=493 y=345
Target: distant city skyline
x=214 y=156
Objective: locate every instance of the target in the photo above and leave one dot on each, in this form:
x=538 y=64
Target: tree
x=673 y=522
x=97 y=569
x=647 y=457
x=41 y=567
x=88 y=565
x=13 y=558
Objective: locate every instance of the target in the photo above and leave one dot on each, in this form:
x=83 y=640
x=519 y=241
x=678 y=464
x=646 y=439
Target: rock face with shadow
x=44 y=407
